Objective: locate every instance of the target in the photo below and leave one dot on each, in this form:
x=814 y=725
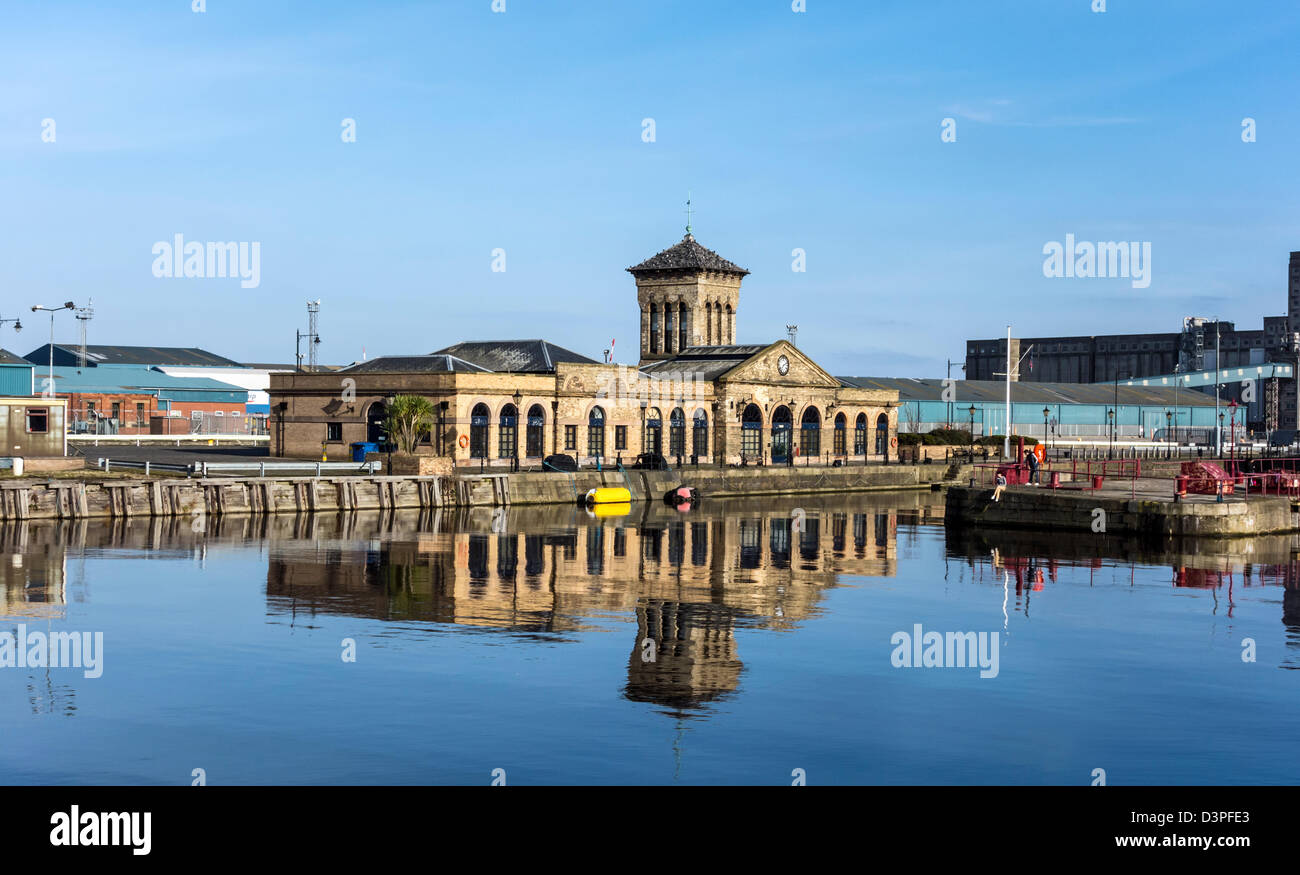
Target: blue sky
x=523 y=131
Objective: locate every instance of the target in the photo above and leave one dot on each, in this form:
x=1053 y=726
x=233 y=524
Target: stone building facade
x=502 y=403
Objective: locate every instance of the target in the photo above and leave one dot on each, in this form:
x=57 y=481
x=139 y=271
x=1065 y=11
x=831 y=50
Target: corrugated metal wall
x=15 y=380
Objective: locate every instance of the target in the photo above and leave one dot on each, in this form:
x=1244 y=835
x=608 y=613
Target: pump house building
x=695 y=393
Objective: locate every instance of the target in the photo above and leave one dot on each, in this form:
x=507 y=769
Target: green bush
x=995 y=440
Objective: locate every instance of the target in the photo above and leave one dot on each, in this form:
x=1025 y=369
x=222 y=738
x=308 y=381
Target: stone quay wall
x=1059 y=510
x=70 y=499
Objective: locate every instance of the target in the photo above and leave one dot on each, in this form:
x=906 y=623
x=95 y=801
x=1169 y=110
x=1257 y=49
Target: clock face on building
x=783 y=365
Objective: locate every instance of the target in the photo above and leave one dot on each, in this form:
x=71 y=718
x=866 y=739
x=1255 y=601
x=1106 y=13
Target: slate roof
x=9 y=358
x=995 y=391
x=412 y=364
x=687 y=255
x=515 y=356
x=704 y=362
x=98 y=354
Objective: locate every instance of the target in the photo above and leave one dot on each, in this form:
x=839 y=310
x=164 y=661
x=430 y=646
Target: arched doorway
x=810 y=427
x=841 y=435
x=376 y=423
x=478 y=432
x=860 y=436
x=882 y=435
x=654 y=432
x=596 y=433
x=534 y=446
x=782 y=424
x=700 y=436
x=751 y=432
x=677 y=432
x=508 y=432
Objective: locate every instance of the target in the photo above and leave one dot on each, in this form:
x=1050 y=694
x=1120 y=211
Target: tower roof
x=687 y=255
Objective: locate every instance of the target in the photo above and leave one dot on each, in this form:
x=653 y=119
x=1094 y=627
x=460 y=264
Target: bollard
x=146 y=468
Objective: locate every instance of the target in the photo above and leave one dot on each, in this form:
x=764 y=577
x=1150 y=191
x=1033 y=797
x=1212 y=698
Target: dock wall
x=72 y=499
x=1059 y=510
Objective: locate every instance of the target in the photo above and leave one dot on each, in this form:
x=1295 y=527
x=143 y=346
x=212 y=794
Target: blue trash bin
x=360 y=449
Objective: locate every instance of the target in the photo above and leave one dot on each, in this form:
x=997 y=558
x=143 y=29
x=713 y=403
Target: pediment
x=765 y=367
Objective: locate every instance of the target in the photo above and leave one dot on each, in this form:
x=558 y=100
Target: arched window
x=810 y=426
x=860 y=436
x=682 y=328
x=654 y=328
x=654 y=432
x=728 y=327
x=700 y=435
x=677 y=432
x=376 y=423
x=670 y=326
x=478 y=432
x=596 y=432
x=536 y=423
x=782 y=423
x=841 y=433
x=508 y=433
x=708 y=323
x=882 y=434
x=751 y=432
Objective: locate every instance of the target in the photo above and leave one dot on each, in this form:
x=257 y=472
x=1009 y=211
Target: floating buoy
x=683 y=497
x=609 y=495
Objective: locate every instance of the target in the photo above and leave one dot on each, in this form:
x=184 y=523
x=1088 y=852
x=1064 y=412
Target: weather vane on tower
x=688 y=214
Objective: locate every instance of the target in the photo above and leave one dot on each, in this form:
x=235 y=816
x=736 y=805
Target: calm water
x=732 y=644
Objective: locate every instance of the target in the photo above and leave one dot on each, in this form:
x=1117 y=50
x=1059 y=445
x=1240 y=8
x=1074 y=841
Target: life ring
x=893 y=442
x=464 y=441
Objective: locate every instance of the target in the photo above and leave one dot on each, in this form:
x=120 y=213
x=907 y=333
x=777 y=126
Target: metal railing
x=259 y=469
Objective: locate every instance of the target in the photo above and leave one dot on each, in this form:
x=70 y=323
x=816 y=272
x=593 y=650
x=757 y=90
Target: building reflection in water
x=1024 y=562
x=689 y=580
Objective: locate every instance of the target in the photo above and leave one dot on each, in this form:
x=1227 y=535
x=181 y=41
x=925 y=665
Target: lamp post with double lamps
x=68 y=305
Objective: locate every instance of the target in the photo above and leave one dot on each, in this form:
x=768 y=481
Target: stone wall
x=1058 y=510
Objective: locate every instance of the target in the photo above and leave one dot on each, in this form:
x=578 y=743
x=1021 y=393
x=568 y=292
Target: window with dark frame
x=333 y=431
x=38 y=420
x=570 y=437
x=620 y=437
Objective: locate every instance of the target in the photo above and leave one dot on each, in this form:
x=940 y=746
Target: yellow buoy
x=620 y=508
x=609 y=495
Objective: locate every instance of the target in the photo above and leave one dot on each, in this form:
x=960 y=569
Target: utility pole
x=1006 y=435
x=1218 y=421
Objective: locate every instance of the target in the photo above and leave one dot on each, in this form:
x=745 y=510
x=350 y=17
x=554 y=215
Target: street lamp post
x=1110 y=418
x=518 y=398
x=971 y=411
x=68 y=305
x=1047 y=411
x=1232 y=432
x=1169 y=416
x=1218 y=437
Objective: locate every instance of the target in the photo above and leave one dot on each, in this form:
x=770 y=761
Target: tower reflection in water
x=689 y=580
